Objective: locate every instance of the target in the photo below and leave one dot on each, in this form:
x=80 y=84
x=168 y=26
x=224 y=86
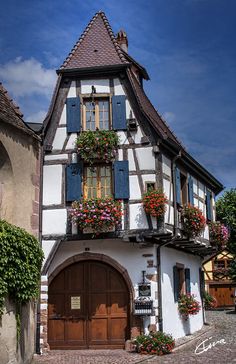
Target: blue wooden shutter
x=73 y=181
x=177 y=185
x=73 y=120
x=208 y=205
x=176 y=283
x=119 y=112
x=121 y=179
x=187 y=280
x=190 y=190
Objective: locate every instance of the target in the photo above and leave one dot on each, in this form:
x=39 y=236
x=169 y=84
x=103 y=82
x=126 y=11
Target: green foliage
x=226 y=213
x=232 y=270
x=209 y=301
x=20 y=264
x=157 y=343
x=99 y=144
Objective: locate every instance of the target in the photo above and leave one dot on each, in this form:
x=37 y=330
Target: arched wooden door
x=88 y=307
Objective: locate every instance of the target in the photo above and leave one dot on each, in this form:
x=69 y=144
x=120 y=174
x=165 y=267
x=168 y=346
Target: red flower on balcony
x=154 y=202
x=193 y=221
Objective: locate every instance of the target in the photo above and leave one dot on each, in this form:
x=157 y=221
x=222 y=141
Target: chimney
x=122 y=40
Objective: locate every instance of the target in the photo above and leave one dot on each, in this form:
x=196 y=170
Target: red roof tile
x=97 y=46
x=10 y=112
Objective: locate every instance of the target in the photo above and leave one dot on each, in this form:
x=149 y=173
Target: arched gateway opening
x=88 y=307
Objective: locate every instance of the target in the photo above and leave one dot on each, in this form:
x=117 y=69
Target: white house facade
x=100 y=290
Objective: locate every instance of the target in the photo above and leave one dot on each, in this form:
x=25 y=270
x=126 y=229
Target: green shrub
x=156 y=343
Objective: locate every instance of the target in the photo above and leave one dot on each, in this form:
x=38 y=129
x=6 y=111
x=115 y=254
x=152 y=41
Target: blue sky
x=187 y=46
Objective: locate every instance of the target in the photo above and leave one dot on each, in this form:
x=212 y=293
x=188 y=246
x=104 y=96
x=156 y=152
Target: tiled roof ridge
x=13 y=104
x=110 y=32
x=131 y=78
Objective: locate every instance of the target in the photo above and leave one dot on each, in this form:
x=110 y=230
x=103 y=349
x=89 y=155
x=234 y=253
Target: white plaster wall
x=102 y=86
x=166 y=165
x=128 y=109
x=54 y=221
x=145 y=158
x=137 y=135
x=71 y=142
x=122 y=137
x=134 y=188
x=59 y=139
x=169 y=215
x=47 y=246
x=63 y=116
x=53 y=157
x=118 y=89
x=120 y=156
x=149 y=178
x=52 y=184
x=72 y=90
x=131 y=160
x=172 y=323
x=138 y=219
x=168 y=189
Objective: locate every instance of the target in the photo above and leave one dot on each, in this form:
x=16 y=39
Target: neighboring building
x=90 y=284
x=217 y=280
x=19 y=205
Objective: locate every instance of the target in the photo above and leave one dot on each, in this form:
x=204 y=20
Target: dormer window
x=96 y=114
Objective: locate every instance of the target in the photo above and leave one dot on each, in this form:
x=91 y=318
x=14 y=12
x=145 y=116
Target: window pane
x=103 y=115
x=105 y=174
x=90 y=115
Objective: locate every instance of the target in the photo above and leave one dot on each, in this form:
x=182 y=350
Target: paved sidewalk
x=221 y=331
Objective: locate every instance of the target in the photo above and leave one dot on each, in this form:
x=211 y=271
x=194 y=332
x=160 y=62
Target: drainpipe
x=158 y=252
x=38 y=316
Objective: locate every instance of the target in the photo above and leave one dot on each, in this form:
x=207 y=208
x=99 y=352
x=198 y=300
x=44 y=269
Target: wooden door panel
x=98 y=330
x=222 y=295
x=56 y=305
x=75 y=277
x=56 y=330
x=98 y=277
x=118 y=329
x=118 y=303
x=75 y=331
x=116 y=282
x=98 y=304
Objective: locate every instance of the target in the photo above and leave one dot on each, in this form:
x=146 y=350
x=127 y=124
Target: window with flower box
x=97 y=182
x=181 y=278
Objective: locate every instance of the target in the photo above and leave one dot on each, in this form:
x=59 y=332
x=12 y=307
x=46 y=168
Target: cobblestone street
x=222 y=332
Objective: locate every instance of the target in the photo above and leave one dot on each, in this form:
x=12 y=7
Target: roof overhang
x=99 y=70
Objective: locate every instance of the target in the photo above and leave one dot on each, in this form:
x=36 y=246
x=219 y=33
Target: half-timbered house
x=99 y=291
x=217 y=280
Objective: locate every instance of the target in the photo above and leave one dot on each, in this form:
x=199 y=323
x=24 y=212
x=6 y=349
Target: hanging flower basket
x=193 y=221
x=219 y=234
x=97 y=145
x=99 y=215
x=156 y=343
x=188 y=305
x=154 y=203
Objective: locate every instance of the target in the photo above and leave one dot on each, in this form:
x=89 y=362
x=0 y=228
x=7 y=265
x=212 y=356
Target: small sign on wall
x=75 y=303
x=144 y=290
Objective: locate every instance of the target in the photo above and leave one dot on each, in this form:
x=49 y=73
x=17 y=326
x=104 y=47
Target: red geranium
x=154 y=202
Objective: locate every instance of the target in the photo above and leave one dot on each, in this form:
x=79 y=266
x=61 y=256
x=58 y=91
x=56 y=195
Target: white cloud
x=27 y=77
x=37 y=117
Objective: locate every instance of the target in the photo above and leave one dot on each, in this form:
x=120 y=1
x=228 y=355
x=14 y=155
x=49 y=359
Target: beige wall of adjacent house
x=19 y=205
x=19 y=178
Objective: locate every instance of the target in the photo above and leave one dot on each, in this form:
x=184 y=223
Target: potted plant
x=154 y=202
x=209 y=301
x=99 y=214
x=219 y=234
x=97 y=145
x=156 y=343
x=193 y=221
x=188 y=305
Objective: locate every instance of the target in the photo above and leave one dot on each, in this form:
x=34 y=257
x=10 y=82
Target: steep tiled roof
x=10 y=113
x=146 y=106
x=97 y=46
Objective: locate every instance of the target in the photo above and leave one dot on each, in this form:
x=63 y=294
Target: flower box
x=156 y=343
x=97 y=145
x=96 y=215
x=193 y=221
x=154 y=203
x=188 y=305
